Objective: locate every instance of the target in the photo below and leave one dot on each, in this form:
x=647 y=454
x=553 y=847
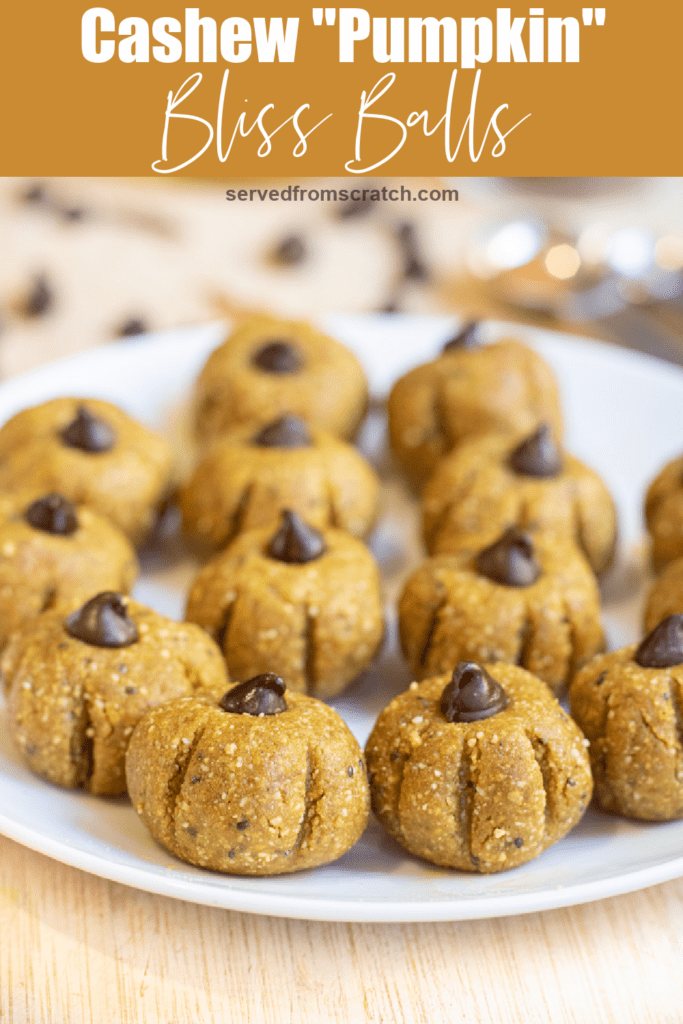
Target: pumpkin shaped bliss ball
x=261 y=782
x=478 y=769
x=92 y=453
x=248 y=477
x=306 y=600
x=79 y=684
x=268 y=367
x=467 y=391
x=528 y=599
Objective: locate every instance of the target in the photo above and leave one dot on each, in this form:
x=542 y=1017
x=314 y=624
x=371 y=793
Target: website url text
x=294 y=193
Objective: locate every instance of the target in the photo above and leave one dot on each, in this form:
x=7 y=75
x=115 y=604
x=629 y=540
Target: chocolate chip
x=663 y=648
x=349 y=771
x=296 y=542
x=88 y=433
x=510 y=560
x=413 y=267
x=132 y=327
x=601 y=678
x=349 y=208
x=467 y=338
x=52 y=514
x=262 y=695
x=278 y=357
x=192 y=831
x=103 y=622
x=519 y=843
x=291 y=251
x=241 y=825
x=73 y=213
x=537 y=455
x=231 y=854
x=195 y=779
x=130 y=690
x=472 y=694
x=285 y=432
x=35 y=193
x=40 y=299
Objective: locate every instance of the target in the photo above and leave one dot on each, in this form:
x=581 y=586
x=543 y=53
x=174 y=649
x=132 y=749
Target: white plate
x=623 y=414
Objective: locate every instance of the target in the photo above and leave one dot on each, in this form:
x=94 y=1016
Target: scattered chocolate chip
x=465 y=339
x=664 y=645
x=296 y=542
x=571 y=783
x=278 y=357
x=510 y=560
x=413 y=267
x=73 y=213
x=519 y=843
x=130 y=690
x=35 y=193
x=262 y=695
x=192 y=831
x=52 y=514
x=285 y=432
x=231 y=854
x=103 y=622
x=132 y=327
x=40 y=299
x=241 y=825
x=88 y=433
x=62 y=647
x=291 y=251
x=349 y=771
x=537 y=455
x=601 y=678
x=349 y=208
x=195 y=779
x=472 y=694
x=394 y=755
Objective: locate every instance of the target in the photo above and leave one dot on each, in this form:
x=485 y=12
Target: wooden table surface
x=76 y=949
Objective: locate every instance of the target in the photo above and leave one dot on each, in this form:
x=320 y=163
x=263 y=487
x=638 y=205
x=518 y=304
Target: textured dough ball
x=631 y=715
x=241 y=485
x=308 y=374
x=450 y=611
x=478 y=488
x=107 y=460
x=665 y=596
x=60 y=563
x=73 y=704
x=467 y=392
x=664 y=514
x=484 y=795
x=320 y=623
x=247 y=794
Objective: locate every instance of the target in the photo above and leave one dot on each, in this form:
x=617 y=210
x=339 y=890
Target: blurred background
x=84 y=262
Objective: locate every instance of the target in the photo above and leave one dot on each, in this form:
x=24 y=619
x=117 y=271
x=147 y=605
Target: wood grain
x=76 y=949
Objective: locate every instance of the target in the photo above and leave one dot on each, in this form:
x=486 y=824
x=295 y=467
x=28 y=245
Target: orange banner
x=151 y=87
